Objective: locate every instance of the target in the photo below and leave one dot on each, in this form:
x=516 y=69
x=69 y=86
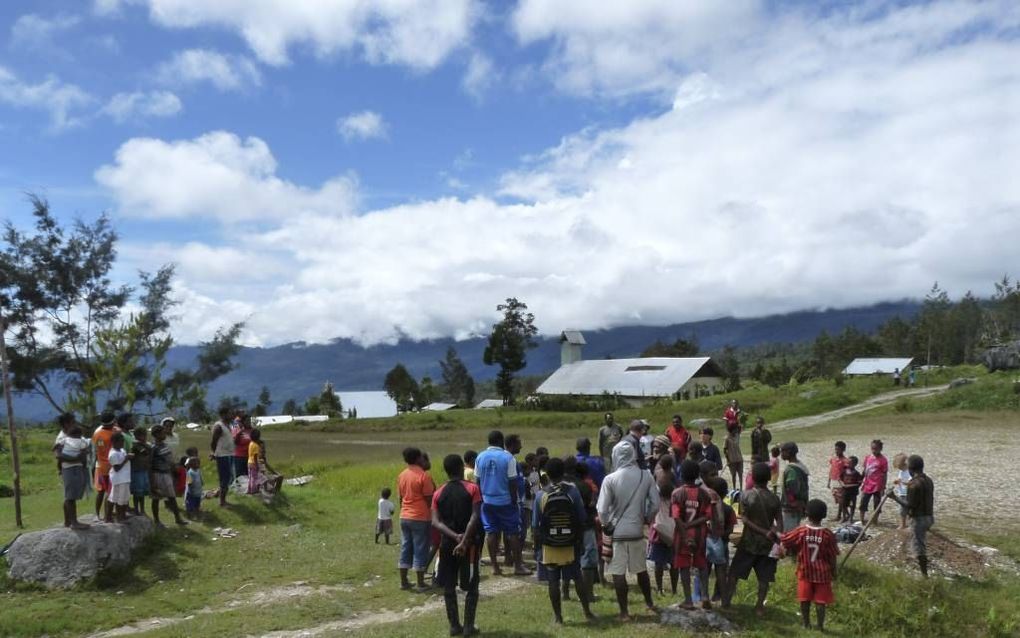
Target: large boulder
x=1004 y=356
x=61 y=558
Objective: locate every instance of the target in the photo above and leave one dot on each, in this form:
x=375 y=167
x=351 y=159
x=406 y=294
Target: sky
x=374 y=170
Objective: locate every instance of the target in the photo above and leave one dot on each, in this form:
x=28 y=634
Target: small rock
x=698 y=620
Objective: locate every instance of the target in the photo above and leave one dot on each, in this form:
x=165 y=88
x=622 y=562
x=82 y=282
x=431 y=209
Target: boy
x=384 y=516
x=710 y=450
x=717 y=548
x=161 y=477
x=692 y=511
x=559 y=518
x=837 y=463
x=795 y=487
x=851 y=482
x=920 y=504
x=469 y=466
x=193 y=495
x=816 y=550
x=101 y=444
x=456 y=514
x=762 y=517
x=71 y=454
x=876 y=474
x=774 y=469
x=141 y=456
x=734 y=458
x=120 y=479
x=590 y=548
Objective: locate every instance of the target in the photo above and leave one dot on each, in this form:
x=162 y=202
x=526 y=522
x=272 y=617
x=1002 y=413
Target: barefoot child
x=876 y=474
x=692 y=511
x=816 y=550
x=384 y=517
x=851 y=482
x=120 y=479
x=837 y=463
x=901 y=480
x=717 y=548
x=734 y=457
x=762 y=517
x=193 y=494
x=162 y=470
x=662 y=531
x=774 y=469
x=141 y=455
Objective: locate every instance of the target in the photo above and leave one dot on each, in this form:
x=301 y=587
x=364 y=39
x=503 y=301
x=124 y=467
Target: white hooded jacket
x=628 y=498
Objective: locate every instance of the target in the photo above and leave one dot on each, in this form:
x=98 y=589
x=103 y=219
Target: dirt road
x=864 y=406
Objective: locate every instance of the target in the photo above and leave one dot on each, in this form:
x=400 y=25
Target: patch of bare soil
x=893 y=549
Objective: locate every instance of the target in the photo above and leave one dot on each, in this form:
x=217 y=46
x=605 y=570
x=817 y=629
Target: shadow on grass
x=155 y=560
x=251 y=510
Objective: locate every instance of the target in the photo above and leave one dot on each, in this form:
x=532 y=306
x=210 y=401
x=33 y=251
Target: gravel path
x=864 y=406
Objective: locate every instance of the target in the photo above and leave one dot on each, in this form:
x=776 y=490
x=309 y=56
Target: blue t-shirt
x=495 y=468
x=596 y=467
x=195 y=483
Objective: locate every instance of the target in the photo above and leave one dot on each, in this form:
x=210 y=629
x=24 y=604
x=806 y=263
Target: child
x=193 y=497
x=469 y=466
x=876 y=474
x=456 y=513
x=71 y=454
x=663 y=530
x=120 y=479
x=692 y=511
x=717 y=547
x=734 y=457
x=902 y=478
x=384 y=518
x=161 y=477
x=816 y=551
x=836 y=465
x=851 y=483
x=774 y=469
x=920 y=504
x=748 y=479
x=141 y=457
x=530 y=487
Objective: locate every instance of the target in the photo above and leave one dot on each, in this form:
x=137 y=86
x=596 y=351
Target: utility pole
x=15 y=461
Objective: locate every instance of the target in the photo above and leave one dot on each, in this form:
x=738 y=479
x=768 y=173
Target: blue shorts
x=501 y=518
x=139 y=483
x=717 y=551
x=589 y=551
x=661 y=555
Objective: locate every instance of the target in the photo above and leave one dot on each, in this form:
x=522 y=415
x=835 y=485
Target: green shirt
x=760 y=506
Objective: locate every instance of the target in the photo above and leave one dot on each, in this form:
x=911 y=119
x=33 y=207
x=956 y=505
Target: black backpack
x=559 y=525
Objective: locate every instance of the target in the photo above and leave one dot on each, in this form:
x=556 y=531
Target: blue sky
x=329 y=169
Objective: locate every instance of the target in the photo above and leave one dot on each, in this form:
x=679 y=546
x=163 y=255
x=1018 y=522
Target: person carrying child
x=140 y=461
x=837 y=463
x=816 y=550
x=692 y=510
x=384 y=516
x=851 y=481
x=456 y=514
x=71 y=451
x=920 y=504
x=762 y=517
x=193 y=493
x=120 y=479
x=876 y=474
x=900 y=483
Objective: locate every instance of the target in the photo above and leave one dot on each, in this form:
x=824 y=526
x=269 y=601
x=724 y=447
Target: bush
x=903 y=404
x=6 y=491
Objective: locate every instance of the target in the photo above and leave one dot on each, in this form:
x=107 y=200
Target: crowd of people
x=123 y=467
x=643 y=500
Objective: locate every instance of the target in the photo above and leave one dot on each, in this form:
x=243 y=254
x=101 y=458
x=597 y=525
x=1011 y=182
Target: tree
x=329 y=402
x=731 y=368
x=679 y=348
x=312 y=406
x=1004 y=318
x=932 y=324
x=290 y=407
x=897 y=337
x=428 y=393
x=233 y=404
x=508 y=345
x=401 y=387
x=457 y=386
x=264 y=398
x=198 y=412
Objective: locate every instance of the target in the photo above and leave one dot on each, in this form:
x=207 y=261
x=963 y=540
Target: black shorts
x=763 y=566
x=867 y=497
x=458 y=570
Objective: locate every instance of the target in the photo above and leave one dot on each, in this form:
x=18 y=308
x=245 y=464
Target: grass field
x=319 y=536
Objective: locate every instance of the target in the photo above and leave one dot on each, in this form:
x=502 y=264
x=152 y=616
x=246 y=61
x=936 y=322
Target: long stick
x=861 y=535
x=10 y=421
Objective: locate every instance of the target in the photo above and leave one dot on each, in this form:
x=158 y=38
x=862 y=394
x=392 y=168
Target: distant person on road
x=732 y=417
x=896 y=377
x=920 y=504
x=709 y=449
x=609 y=435
x=223 y=453
x=456 y=515
x=795 y=487
x=761 y=438
x=679 y=437
x=912 y=377
x=415 y=488
x=761 y=515
x=876 y=475
x=596 y=465
x=496 y=469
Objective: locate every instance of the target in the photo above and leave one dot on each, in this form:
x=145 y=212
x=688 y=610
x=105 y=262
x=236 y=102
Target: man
x=101 y=443
x=760 y=513
x=596 y=466
x=638 y=427
x=627 y=501
x=609 y=435
x=920 y=504
x=709 y=449
x=732 y=417
x=496 y=471
x=761 y=438
x=223 y=453
x=795 y=487
x=456 y=514
x=679 y=437
x=415 y=487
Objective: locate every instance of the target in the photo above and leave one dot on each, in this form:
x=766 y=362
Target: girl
x=902 y=478
x=261 y=475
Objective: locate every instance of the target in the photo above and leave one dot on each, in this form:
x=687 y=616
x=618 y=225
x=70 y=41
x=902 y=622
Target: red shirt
x=732 y=419
x=679 y=439
x=816 y=552
x=242 y=438
x=691 y=502
x=836 y=466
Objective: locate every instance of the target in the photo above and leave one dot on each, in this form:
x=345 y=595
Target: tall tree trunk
x=15 y=461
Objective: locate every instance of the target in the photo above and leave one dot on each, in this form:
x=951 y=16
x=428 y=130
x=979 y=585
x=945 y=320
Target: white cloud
x=61 y=99
x=365 y=125
x=479 y=76
x=833 y=162
x=217 y=175
x=35 y=32
x=415 y=33
x=126 y=106
x=195 y=66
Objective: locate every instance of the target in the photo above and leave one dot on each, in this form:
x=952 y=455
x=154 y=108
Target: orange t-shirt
x=415 y=487
x=101 y=442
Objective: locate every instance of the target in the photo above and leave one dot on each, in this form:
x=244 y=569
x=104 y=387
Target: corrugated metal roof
x=573 y=337
x=881 y=365
x=644 y=377
x=439 y=407
x=369 y=405
x=489 y=403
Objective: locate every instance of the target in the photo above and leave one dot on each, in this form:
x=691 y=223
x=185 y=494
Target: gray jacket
x=628 y=498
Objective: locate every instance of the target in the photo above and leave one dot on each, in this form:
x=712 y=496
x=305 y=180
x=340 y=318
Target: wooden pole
x=860 y=537
x=15 y=461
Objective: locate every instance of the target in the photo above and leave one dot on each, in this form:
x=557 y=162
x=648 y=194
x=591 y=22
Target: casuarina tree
x=458 y=386
x=508 y=345
x=401 y=387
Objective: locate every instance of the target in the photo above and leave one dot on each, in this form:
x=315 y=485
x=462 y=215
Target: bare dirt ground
x=857 y=408
x=949 y=558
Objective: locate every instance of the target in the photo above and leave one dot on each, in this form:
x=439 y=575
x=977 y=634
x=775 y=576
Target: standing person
x=120 y=479
x=140 y=461
x=761 y=515
x=896 y=377
x=161 y=477
x=851 y=482
x=663 y=529
x=609 y=435
x=795 y=487
x=761 y=438
x=900 y=483
x=717 y=548
x=734 y=459
x=242 y=438
x=102 y=444
x=193 y=496
x=837 y=463
x=816 y=550
x=384 y=516
x=679 y=437
x=692 y=510
x=469 y=466
x=920 y=504
x=732 y=417
x=647 y=438
x=596 y=464
x=261 y=476
x=415 y=488
x=513 y=446
x=173 y=440
x=634 y=434
x=912 y=376
x=876 y=474
x=774 y=454
x=709 y=449
x=628 y=500
x=223 y=453
x=589 y=541
x=532 y=484
x=456 y=514
x=496 y=470
x=72 y=454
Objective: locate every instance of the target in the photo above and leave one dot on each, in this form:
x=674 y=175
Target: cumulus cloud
x=834 y=161
x=365 y=125
x=35 y=32
x=139 y=104
x=61 y=100
x=414 y=33
x=479 y=76
x=196 y=66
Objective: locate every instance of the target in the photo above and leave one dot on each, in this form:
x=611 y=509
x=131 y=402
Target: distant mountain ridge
x=298 y=370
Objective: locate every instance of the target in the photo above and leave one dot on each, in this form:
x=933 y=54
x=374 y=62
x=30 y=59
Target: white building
x=882 y=365
x=488 y=404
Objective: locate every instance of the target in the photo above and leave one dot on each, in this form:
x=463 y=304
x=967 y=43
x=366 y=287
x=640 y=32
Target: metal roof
x=371 y=404
x=261 y=421
x=644 y=377
x=573 y=337
x=438 y=407
x=881 y=365
x=489 y=403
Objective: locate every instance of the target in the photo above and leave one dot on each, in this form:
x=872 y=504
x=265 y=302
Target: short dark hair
x=511 y=439
x=696 y=446
x=708 y=468
x=224 y=412
x=65 y=419
x=775 y=450
x=140 y=432
x=854 y=460
x=469 y=457
x=385 y=492
x=666 y=462
x=878 y=442
x=677 y=416
x=570 y=465
x=530 y=457
x=817 y=510
x=453 y=465
x=124 y=418
x=841 y=445
x=118 y=437
x=583 y=445
x=915 y=463
x=75 y=431
x=790 y=447
x=760 y=473
x=707 y=430
x=554 y=468
x=581 y=470
x=689 y=471
x=411 y=455
x=541 y=450
x=718 y=485
x=496 y=438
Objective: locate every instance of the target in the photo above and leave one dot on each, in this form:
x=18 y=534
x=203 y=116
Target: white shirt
x=225 y=444
x=123 y=475
x=70 y=449
x=386 y=509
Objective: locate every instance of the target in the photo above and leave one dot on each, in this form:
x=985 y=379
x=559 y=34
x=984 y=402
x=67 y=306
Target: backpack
x=559 y=525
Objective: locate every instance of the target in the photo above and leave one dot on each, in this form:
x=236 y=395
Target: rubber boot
x=452 y=615
x=922 y=562
x=470 y=606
